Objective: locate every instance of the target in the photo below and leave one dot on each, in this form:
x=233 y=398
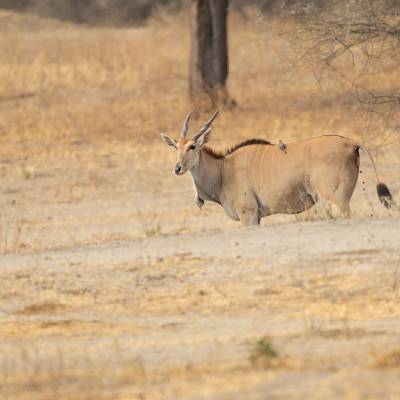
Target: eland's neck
x=207 y=177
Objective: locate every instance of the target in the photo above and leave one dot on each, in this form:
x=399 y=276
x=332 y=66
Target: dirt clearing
x=177 y=316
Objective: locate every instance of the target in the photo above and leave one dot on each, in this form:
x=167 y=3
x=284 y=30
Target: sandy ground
x=176 y=316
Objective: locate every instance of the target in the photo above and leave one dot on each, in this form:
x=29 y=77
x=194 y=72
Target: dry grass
x=70 y=82
x=10 y=235
x=389 y=359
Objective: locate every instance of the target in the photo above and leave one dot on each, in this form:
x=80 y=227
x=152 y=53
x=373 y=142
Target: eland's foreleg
x=249 y=217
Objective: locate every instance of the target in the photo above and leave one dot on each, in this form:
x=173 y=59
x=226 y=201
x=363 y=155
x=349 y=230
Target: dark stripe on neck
x=222 y=154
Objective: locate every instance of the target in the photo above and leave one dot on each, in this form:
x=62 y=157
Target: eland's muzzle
x=177 y=169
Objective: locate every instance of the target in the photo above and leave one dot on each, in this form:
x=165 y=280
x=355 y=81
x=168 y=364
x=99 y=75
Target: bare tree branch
x=356 y=45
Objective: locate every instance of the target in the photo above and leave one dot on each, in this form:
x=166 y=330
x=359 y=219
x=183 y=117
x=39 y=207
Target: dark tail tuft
x=384 y=195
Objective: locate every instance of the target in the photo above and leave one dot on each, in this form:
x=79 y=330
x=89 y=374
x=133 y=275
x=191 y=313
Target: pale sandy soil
x=115 y=286
x=176 y=316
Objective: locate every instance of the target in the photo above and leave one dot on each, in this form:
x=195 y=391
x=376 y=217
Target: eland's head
x=188 y=150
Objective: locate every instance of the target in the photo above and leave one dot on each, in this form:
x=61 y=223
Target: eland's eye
x=192 y=147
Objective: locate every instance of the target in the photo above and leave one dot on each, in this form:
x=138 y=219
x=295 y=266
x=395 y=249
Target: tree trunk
x=209 y=54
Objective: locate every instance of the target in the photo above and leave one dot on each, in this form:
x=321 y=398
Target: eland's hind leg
x=347 y=183
x=342 y=199
x=340 y=196
x=340 y=193
x=339 y=189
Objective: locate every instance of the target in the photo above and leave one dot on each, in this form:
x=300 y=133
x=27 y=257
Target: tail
x=384 y=194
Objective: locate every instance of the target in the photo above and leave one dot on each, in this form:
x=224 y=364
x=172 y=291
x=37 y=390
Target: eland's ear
x=166 y=139
x=202 y=138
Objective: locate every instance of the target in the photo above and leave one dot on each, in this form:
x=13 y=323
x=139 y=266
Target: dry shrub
x=264 y=354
